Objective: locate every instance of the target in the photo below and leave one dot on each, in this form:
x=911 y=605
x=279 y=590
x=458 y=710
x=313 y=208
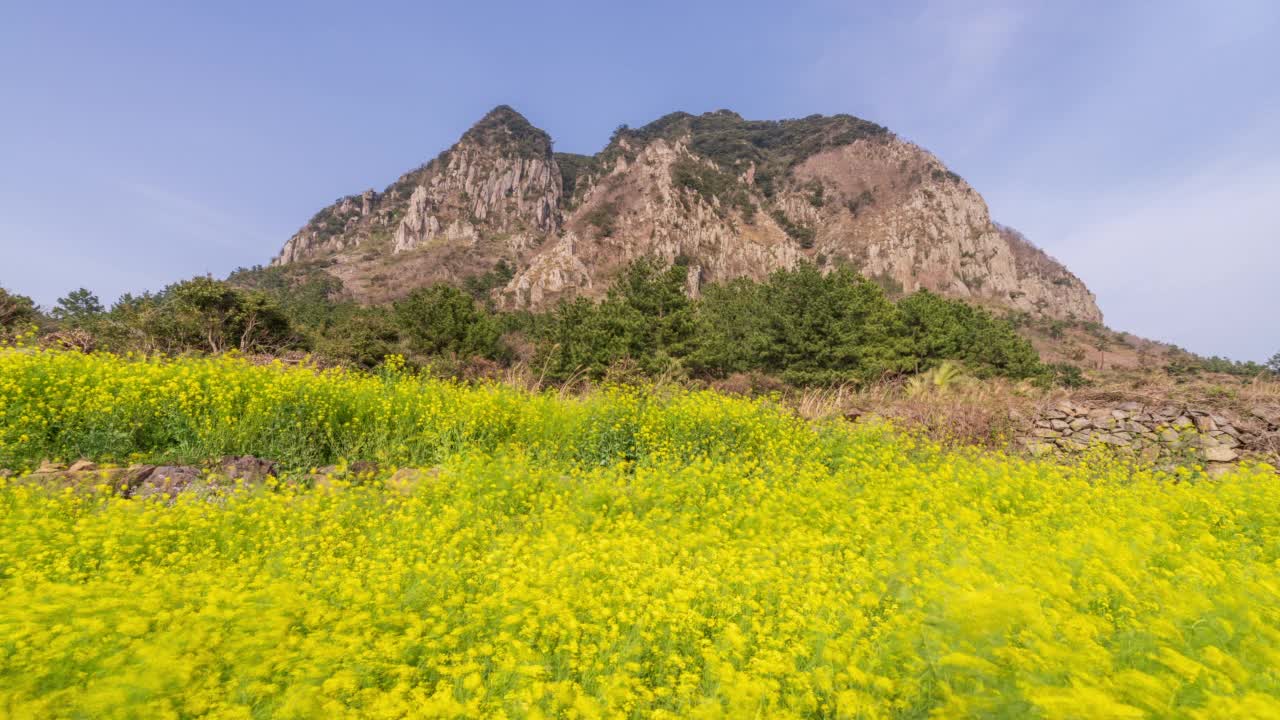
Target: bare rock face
x=727 y=196
x=483 y=187
x=899 y=214
x=637 y=211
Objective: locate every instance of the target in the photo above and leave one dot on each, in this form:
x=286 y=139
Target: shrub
x=16 y=312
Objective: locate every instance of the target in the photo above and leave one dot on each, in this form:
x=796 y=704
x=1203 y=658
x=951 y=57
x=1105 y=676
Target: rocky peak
x=499 y=179
x=508 y=132
x=731 y=197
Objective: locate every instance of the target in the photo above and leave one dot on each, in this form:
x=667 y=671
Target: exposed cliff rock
x=731 y=197
x=499 y=179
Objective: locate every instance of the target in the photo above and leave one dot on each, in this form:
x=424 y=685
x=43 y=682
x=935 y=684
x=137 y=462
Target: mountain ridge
x=729 y=197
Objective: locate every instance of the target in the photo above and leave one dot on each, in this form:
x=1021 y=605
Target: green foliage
x=360 y=336
x=802 y=325
x=1274 y=364
x=800 y=232
x=579 y=337
x=442 y=320
x=717 y=188
x=773 y=146
x=217 y=316
x=942 y=174
x=731 y=328
x=16 y=311
x=817 y=193
x=1065 y=375
x=604 y=218
x=479 y=286
x=574 y=168
x=78 y=309
x=827 y=328
x=505 y=128
x=1238 y=368
x=201 y=314
x=863 y=200
x=1183 y=364
x=304 y=292
x=943 y=329
x=646 y=318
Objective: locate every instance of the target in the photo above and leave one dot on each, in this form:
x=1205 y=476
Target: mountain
x=500 y=211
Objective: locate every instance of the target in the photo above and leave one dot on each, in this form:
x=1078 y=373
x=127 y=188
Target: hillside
x=724 y=196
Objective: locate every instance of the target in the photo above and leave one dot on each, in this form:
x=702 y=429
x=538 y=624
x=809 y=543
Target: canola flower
x=623 y=555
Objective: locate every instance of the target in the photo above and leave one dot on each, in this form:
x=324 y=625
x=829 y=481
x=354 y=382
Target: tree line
x=802 y=325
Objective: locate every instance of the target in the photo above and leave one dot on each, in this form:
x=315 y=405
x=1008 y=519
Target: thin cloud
x=190 y=218
x=1193 y=262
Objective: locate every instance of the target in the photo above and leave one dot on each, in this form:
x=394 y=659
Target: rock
x=1204 y=423
x=1058 y=425
x=1219 y=453
x=1055 y=415
x=1150 y=453
x=1218 y=469
x=1119 y=414
x=1169 y=435
x=1227 y=441
x=1073 y=444
x=167 y=479
x=406 y=480
x=1131 y=407
x=1045 y=433
x=1037 y=448
x=47 y=467
x=82 y=466
x=1081 y=423
x=79 y=481
x=1270 y=414
x=1111 y=439
x=246 y=468
x=1182 y=422
x=362 y=468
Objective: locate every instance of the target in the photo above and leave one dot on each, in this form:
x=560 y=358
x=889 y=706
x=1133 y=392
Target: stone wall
x=1156 y=433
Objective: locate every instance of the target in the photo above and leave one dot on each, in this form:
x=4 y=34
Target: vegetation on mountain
x=505 y=128
x=774 y=147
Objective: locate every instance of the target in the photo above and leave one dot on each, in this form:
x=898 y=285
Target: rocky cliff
x=729 y=196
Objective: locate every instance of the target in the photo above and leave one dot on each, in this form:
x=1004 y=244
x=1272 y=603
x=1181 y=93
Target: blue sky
x=1138 y=142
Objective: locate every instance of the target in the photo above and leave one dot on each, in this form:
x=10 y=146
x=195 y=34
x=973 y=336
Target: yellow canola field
x=627 y=554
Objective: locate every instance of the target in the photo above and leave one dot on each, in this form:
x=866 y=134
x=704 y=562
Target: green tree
x=360 y=336
x=1274 y=364
x=836 y=327
x=649 y=301
x=941 y=329
x=731 y=328
x=579 y=336
x=443 y=320
x=16 y=312
x=212 y=315
x=78 y=309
